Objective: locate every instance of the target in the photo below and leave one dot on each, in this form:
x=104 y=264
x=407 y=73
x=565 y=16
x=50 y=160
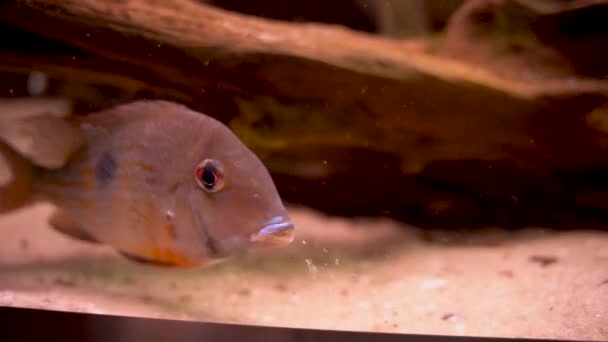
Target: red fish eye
x=209 y=175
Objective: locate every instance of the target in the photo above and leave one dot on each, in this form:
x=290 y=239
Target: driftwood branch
x=203 y=31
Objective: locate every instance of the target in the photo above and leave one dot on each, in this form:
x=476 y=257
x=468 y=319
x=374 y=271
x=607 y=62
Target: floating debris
x=543 y=260
x=447 y=316
x=312 y=268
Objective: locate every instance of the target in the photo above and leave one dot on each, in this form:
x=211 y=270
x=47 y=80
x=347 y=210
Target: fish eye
x=209 y=175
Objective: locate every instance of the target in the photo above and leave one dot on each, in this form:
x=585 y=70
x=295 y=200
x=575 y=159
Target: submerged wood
x=204 y=32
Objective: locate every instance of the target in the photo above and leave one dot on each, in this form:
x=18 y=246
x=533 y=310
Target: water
x=445 y=175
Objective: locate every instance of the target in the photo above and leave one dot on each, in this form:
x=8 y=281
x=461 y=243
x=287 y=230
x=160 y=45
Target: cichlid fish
x=159 y=183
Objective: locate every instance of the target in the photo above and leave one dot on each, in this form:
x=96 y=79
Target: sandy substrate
x=340 y=274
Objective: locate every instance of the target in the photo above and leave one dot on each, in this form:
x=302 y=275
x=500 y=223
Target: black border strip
x=18 y=324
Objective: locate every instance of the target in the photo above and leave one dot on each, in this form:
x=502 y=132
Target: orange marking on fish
x=67 y=183
x=87 y=171
x=170 y=256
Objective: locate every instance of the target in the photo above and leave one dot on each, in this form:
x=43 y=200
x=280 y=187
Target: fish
x=158 y=182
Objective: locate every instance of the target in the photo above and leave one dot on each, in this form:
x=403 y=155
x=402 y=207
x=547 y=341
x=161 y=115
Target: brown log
x=205 y=32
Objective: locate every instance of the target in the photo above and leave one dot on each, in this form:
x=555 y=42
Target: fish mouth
x=276 y=232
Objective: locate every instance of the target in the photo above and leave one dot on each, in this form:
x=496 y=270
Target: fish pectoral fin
x=145 y=261
x=64 y=224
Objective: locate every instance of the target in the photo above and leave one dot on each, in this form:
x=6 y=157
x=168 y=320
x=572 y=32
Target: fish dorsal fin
x=64 y=224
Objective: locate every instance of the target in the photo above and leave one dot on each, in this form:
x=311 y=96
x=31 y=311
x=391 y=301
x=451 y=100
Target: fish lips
x=276 y=232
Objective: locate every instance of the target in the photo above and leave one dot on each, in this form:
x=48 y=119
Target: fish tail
x=17 y=176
